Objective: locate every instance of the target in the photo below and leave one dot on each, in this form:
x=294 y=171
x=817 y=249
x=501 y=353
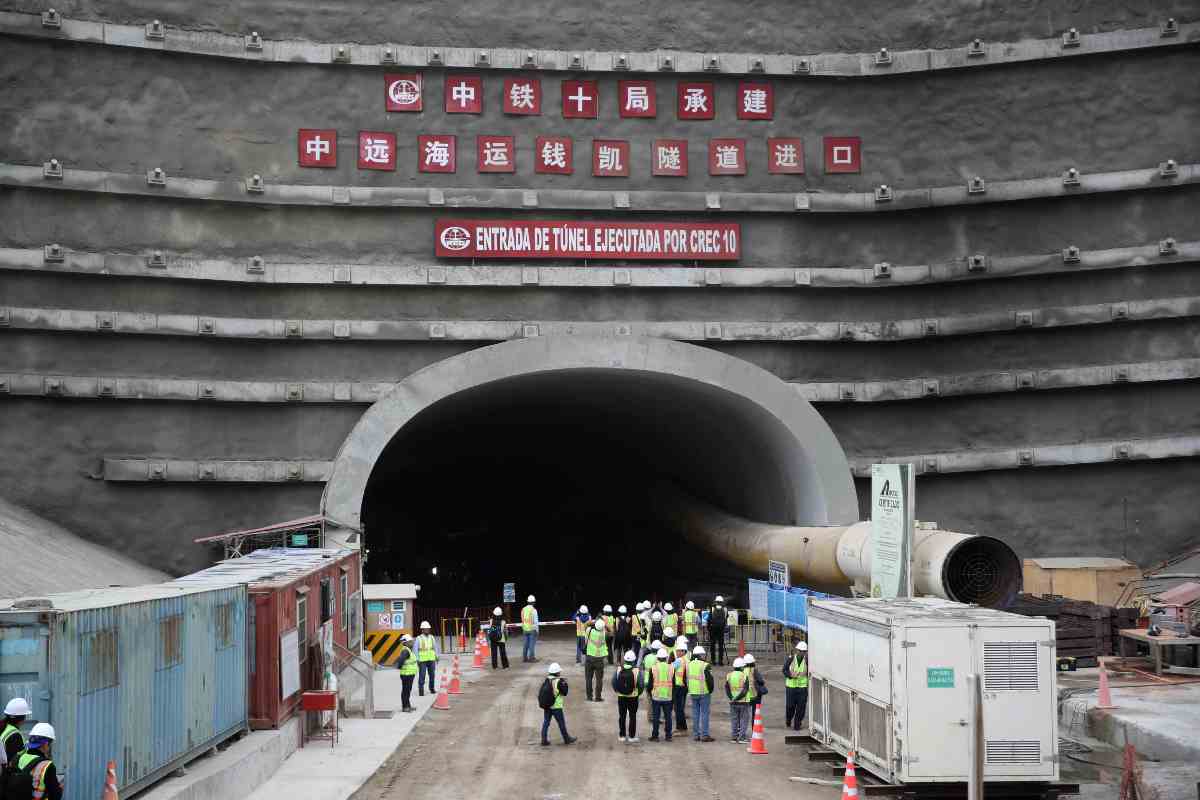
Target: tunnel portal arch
x=789 y=467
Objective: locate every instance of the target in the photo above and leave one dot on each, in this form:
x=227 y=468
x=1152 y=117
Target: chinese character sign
x=580 y=99
x=317 y=147
x=785 y=157
x=436 y=154
x=696 y=100
x=523 y=96
x=377 y=150
x=637 y=98
x=496 y=154
x=727 y=157
x=670 y=158
x=843 y=154
x=552 y=154
x=464 y=94
x=403 y=92
x=610 y=158
x=755 y=100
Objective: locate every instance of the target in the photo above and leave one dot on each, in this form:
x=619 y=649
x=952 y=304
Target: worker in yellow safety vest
x=670 y=619
x=758 y=686
x=529 y=627
x=795 y=681
x=738 y=688
x=610 y=629
x=628 y=682
x=427 y=656
x=595 y=652
x=648 y=660
x=661 y=688
x=679 y=698
x=582 y=618
x=36 y=762
x=407 y=664
x=553 y=690
x=691 y=622
x=11 y=740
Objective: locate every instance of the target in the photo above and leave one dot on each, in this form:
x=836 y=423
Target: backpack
x=623 y=682
x=717 y=619
x=546 y=695
x=624 y=629
x=17 y=784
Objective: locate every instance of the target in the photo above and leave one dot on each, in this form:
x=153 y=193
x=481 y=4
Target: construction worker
x=645 y=617
x=498 y=637
x=700 y=687
x=529 y=627
x=406 y=662
x=582 y=618
x=636 y=630
x=649 y=657
x=679 y=694
x=610 y=629
x=628 y=682
x=668 y=639
x=656 y=625
x=691 y=622
x=738 y=688
x=717 y=622
x=10 y=733
x=661 y=688
x=595 y=652
x=36 y=762
x=795 y=679
x=758 y=686
x=427 y=656
x=623 y=632
x=556 y=685
x=670 y=618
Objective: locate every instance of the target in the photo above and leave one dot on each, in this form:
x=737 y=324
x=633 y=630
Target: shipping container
x=148 y=677
x=305 y=608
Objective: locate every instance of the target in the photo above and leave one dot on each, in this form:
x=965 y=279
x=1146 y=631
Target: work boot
x=682 y=726
x=545 y=742
x=533 y=659
x=707 y=739
x=600 y=699
x=571 y=740
x=653 y=739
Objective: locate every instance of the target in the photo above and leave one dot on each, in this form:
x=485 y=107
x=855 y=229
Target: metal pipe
x=975 y=741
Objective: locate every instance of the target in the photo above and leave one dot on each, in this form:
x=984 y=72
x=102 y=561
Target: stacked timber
x=1083 y=629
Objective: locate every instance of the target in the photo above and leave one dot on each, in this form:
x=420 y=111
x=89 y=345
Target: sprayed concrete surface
x=487 y=747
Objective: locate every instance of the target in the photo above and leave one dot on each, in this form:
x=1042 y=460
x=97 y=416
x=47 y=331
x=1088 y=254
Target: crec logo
x=404 y=92
x=456 y=238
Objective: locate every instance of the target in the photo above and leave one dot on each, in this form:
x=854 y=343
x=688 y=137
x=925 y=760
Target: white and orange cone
x=850 y=782
x=110 y=782
x=442 y=702
x=1105 y=693
x=455 y=678
x=758 y=741
x=478 y=662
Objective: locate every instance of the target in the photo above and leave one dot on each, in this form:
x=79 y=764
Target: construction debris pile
x=1084 y=630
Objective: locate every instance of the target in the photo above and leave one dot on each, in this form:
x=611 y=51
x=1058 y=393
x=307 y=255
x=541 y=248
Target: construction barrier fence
x=785 y=605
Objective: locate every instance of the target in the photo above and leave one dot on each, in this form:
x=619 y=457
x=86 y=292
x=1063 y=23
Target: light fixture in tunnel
x=433 y=571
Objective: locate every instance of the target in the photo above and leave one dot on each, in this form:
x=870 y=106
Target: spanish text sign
x=658 y=241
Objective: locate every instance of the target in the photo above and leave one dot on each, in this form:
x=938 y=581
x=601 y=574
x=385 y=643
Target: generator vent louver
x=1010 y=666
x=1013 y=751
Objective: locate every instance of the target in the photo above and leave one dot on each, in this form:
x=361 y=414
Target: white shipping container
x=888 y=679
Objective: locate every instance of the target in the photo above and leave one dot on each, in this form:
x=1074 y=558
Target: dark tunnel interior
x=543 y=480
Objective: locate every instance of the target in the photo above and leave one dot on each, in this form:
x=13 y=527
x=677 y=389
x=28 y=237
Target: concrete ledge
x=1160 y=721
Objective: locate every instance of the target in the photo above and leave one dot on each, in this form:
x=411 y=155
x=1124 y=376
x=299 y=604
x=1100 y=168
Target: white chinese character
x=727 y=156
x=669 y=158
x=610 y=158
x=785 y=155
x=580 y=98
x=842 y=154
x=637 y=98
x=462 y=93
x=317 y=147
x=376 y=151
x=520 y=95
x=754 y=101
x=554 y=154
x=437 y=153
x=695 y=99
x=495 y=154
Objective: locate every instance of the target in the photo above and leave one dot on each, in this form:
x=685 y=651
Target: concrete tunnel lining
x=769 y=454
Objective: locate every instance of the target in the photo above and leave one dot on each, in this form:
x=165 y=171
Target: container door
x=23 y=665
x=934 y=746
x=1019 y=706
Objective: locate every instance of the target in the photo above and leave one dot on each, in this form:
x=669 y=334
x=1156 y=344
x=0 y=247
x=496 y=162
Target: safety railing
x=344 y=659
x=458 y=634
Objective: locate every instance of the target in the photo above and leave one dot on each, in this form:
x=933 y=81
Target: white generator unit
x=888 y=679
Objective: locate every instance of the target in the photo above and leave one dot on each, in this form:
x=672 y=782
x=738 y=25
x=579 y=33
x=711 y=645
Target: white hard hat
x=663 y=655
x=583 y=610
x=497 y=612
x=405 y=638
x=656 y=645
x=640 y=606
x=748 y=659
x=802 y=646
x=668 y=632
x=17 y=707
x=720 y=599
x=630 y=656
x=622 y=610
x=530 y=599
x=690 y=605
x=554 y=668
x=599 y=623
x=681 y=643
x=645 y=603
x=656 y=616
x=607 y=609
x=669 y=607
x=738 y=663
x=425 y=625
x=697 y=650
x=44 y=730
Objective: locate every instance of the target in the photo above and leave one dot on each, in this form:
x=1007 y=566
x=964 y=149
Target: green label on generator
x=939 y=677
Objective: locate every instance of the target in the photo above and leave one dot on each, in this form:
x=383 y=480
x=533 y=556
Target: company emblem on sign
x=455 y=238
x=403 y=92
x=650 y=241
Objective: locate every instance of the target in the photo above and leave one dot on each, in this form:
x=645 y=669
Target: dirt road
x=487 y=746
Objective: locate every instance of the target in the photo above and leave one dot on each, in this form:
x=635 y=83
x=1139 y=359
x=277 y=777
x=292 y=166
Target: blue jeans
x=557 y=714
x=701 y=703
x=664 y=708
x=426 y=667
x=530 y=644
x=579 y=649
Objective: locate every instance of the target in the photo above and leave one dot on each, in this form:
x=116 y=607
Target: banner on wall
x=652 y=241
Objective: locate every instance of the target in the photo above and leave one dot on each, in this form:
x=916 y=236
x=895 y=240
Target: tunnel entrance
x=535 y=464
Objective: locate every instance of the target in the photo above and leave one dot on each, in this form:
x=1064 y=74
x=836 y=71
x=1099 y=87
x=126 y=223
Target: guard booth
x=390 y=613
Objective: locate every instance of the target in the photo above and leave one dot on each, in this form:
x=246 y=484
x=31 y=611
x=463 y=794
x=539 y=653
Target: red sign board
x=610 y=158
x=696 y=100
x=649 y=241
x=755 y=100
x=843 y=154
x=496 y=154
x=670 y=158
x=403 y=92
x=317 y=147
x=523 y=96
x=552 y=154
x=637 y=98
x=436 y=154
x=464 y=94
x=580 y=99
x=377 y=150
x=785 y=157
x=726 y=156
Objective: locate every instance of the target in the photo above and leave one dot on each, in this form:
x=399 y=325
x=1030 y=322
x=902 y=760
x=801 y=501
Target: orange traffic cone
x=455 y=681
x=110 y=782
x=487 y=648
x=741 y=648
x=1105 y=693
x=442 y=701
x=758 y=742
x=850 y=783
x=478 y=662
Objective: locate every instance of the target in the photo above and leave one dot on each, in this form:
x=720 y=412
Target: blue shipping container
x=148 y=677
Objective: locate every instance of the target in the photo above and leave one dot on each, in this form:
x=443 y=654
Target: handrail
x=356 y=662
